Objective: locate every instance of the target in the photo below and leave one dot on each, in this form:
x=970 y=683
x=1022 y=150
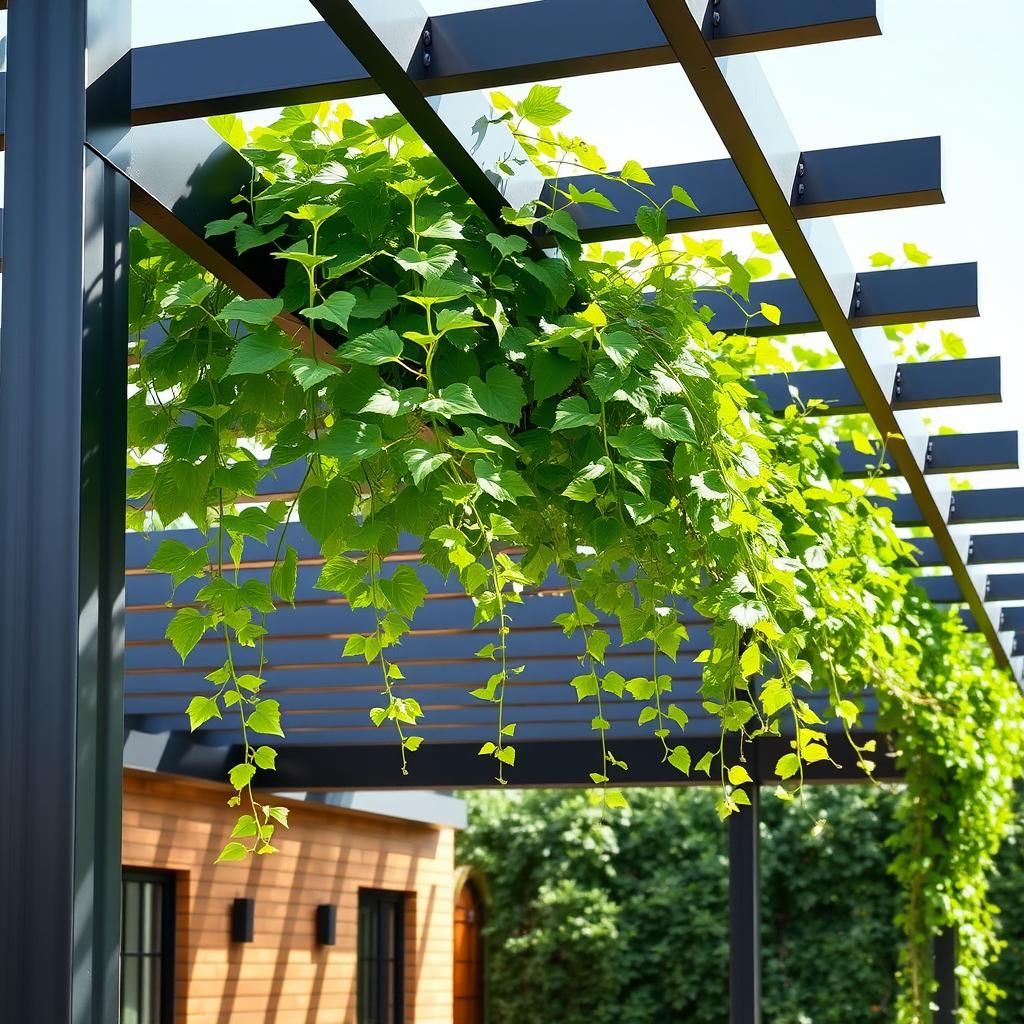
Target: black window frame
x=167 y=885
x=374 y=974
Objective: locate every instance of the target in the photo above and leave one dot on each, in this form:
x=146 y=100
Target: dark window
x=381 y=953
x=147 y=947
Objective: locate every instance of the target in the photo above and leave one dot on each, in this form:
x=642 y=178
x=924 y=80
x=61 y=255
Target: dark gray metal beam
x=947 y=993
x=470 y=50
x=947 y=382
x=991 y=548
x=882 y=297
x=458 y=766
x=743 y=110
x=848 y=179
x=992 y=505
x=1012 y=619
x=946 y=453
x=1007 y=586
x=745 y=912
x=63 y=382
x=358 y=24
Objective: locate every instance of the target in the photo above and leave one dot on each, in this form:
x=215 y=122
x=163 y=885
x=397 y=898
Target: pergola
x=98 y=131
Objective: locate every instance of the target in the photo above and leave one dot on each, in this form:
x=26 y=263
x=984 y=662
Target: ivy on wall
x=439 y=378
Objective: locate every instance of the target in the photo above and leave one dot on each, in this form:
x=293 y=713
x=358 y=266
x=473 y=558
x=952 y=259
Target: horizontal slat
x=989 y=548
x=992 y=505
x=1012 y=619
x=946 y=453
x=913 y=295
x=1005 y=587
x=469 y=50
x=848 y=179
x=946 y=382
x=904 y=508
x=941 y=589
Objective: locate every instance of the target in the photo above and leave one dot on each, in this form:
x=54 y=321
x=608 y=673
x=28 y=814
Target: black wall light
x=326 y=924
x=243 y=913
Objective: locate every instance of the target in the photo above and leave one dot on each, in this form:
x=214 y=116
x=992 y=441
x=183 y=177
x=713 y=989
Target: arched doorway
x=469 y=965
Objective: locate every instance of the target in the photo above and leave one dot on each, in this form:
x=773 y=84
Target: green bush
x=584 y=923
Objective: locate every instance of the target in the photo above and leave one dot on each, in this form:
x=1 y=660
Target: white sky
x=942 y=67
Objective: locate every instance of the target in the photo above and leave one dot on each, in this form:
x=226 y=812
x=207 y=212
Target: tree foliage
x=437 y=377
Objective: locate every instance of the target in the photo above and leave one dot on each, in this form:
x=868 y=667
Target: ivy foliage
x=433 y=376
x=624 y=918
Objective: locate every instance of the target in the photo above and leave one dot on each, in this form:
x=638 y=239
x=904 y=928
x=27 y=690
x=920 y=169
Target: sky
x=942 y=67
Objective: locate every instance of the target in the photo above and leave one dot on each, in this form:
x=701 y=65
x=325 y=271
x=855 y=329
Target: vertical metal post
x=947 y=995
x=63 y=337
x=744 y=913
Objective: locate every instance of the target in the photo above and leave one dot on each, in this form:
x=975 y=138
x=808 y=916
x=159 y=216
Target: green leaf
x=915 y=255
x=551 y=374
x=265 y=757
x=673 y=423
x=771 y=313
x=679 y=758
x=632 y=171
x=861 y=443
x=591 y=197
x=622 y=348
x=254 y=312
x=305 y=259
x=652 y=222
x=310 y=373
x=233 y=851
x=739 y=776
x=186 y=629
x=179 y=560
x=241 y=775
x=432 y=264
x=882 y=259
x=200 y=710
x=404 y=591
x=341 y=575
x=500 y=484
x=574 y=412
x=335 y=309
x=352 y=441
x=788 y=765
x=422 y=462
x=374 y=304
x=245 y=827
x=284 y=576
x=560 y=222
x=322 y=510
x=635 y=442
x=259 y=353
x=680 y=195
x=510 y=246
x=374 y=348
x=266 y=718
x=541 y=106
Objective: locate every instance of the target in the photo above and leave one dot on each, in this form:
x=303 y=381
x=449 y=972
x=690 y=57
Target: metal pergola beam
x=742 y=108
x=946 y=382
x=470 y=50
x=880 y=298
x=745 y=911
x=945 y=453
x=844 y=180
x=63 y=384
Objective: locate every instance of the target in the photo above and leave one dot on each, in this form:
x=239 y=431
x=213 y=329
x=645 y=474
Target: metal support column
x=63 y=348
x=744 y=913
x=947 y=995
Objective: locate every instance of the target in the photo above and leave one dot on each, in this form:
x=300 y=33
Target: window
x=379 y=981
x=147 y=947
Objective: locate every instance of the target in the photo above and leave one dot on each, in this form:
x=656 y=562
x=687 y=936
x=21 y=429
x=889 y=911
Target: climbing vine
x=421 y=372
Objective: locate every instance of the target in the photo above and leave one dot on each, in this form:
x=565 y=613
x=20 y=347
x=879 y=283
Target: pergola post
x=947 y=995
x=62 y=420
x=744 y=913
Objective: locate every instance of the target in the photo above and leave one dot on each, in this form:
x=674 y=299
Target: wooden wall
x=326 y=856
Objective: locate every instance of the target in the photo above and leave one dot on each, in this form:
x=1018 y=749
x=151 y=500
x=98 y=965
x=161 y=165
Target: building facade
x=350 y=923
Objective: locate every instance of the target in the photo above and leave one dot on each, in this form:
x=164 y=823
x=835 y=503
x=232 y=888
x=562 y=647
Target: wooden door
x=469 y=977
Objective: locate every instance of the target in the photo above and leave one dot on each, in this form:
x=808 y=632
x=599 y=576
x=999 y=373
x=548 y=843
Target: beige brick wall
x=326 y=856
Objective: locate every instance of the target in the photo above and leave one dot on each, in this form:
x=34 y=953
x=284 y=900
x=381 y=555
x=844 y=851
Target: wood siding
x=326 y=857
